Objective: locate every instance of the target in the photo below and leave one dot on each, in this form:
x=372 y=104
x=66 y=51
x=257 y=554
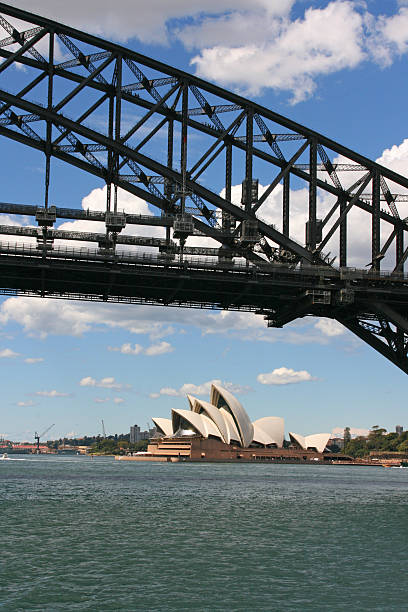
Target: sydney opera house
x=220 y=430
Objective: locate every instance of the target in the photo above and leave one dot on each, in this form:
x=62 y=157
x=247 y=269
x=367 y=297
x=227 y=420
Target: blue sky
x=338 y=67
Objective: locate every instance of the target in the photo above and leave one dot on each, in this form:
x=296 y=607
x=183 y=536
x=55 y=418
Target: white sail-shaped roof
x=261 y=437
x=221 y=398
x=191 y=401
x=199 y=422
x=192 y=418
x=232 y=428
x=298 y=439
x=164 y=426
x=317 y=441
x=211 y=428
x=213 y=413
x=273 y=427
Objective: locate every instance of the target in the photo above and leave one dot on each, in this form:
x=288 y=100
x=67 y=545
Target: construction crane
x=103 y=429
x=38 y=436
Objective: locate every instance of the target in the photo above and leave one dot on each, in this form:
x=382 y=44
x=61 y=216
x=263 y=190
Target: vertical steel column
x=311 y=227
x=170 y=149
x=226 y=217
x=168 y=187
x=399 y=250
x=343 y=235
x=118 y=117
x=285 y=205
x=375 y=220
x=110 y=154
x=249 y=158
x=49 y=124
x=184 y=119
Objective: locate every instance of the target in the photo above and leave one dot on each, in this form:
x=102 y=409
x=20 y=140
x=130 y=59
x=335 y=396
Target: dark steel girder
x=127 y=152
x=205 y=229
x=168 y=114
x=371 y=338
x=319 y=183
x=153 y=165
x=206 y=86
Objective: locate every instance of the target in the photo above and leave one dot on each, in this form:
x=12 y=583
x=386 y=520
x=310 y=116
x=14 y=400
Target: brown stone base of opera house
x=197 y=449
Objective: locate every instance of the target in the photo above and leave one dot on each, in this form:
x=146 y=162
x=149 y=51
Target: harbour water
x=105 y=535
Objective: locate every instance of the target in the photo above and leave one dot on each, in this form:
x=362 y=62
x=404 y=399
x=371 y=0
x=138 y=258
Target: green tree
x=346 y=436
x=403 y=447
x=357 y=447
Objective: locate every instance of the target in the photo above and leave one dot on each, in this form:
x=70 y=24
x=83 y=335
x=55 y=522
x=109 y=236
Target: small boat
x=403 y=465
x=4 y=457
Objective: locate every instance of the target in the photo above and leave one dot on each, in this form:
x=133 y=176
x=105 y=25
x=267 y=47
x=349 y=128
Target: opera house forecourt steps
x=220 y=430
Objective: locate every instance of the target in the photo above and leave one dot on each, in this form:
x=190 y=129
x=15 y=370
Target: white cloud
x=137 y=18
x=52 y=393
x=105 y=400
x=106 y=383
x=8 y=354
x=248 y=45
x=96 y=200
x=395 y=158
x=284 y=376
x=254 y=50
x=32 y=360
x=166 y=391
x=269 y=51
x=127 y=349
x=13 y=220
x=201 y=390
x=42 y=317
x=155 y=349
x=330 y=327
x=159 y=349
x=391 y=37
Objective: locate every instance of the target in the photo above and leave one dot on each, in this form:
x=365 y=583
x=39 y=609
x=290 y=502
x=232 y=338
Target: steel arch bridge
x=182 y=145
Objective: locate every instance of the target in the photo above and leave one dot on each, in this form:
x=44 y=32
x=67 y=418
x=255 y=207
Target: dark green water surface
x=82 y=534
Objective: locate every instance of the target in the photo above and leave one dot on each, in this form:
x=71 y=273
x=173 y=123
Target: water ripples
x=104 y=536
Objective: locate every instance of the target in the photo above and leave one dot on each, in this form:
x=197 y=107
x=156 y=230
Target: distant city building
x=134 y=432
x=136 y=435
x=28 y=448
x=399 y=429
x=335 y=442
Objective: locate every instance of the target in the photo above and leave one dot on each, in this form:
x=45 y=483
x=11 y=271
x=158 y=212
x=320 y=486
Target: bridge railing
x=134 y=257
